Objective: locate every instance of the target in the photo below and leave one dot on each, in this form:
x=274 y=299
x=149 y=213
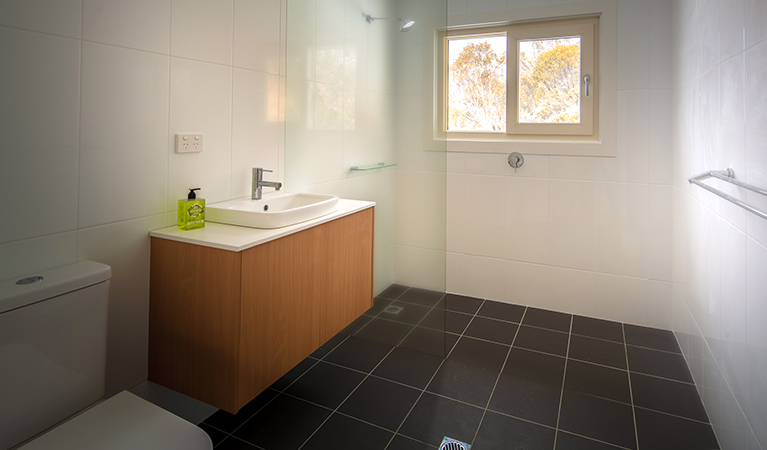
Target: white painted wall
x=91 y=95
x=720 y=250
x=585 y=235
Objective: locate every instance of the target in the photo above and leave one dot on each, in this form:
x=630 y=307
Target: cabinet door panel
x=281 y=285
x=349 y=271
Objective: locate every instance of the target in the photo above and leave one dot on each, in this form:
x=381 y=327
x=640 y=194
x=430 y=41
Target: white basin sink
x=274 y=210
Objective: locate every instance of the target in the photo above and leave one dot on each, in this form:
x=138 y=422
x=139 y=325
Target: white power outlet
x=188 y=142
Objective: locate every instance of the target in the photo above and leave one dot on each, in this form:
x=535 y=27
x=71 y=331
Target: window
x=531 y=81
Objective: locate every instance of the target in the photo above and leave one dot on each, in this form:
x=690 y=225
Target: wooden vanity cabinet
x=224 y=325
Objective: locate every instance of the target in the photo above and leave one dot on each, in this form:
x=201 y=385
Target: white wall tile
x=756 y=17
x=39 y=94
x=257 y=35
x=572 y=291
x=660 y=304
x=622 y=229
x=622 y=299
x=731 y=28
x=525 y=284
x=485 y=210
x=138 y=24
x=21 y=258
x=125 y=247
x=200 y=102
x=485 y=278
x=659 y=242
x=573 y=224
x=419 y=267
x=256 y=128
x=202 y=30
x=661 y=36
x=60 y=17
x=633 y=44
x=123 y=174
x=527 y=226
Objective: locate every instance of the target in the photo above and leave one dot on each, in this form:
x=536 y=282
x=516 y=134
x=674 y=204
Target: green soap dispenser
x=191 y=211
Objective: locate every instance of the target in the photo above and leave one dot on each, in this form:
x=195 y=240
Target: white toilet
x=53 y=330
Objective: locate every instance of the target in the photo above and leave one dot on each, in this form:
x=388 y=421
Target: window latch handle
x=587 y=80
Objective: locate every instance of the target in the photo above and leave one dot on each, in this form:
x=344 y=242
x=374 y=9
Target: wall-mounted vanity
x=232 y=309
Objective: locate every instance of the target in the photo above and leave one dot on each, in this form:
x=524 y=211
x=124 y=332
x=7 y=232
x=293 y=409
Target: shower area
x=359 y=85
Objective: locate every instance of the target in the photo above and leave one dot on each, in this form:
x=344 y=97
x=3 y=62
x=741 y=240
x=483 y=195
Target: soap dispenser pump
x=191 y=211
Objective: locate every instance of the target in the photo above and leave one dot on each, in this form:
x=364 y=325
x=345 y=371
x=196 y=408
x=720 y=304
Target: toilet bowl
x=53 y=353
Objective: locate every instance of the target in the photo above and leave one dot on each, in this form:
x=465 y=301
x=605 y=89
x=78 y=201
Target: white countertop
x=237 y=239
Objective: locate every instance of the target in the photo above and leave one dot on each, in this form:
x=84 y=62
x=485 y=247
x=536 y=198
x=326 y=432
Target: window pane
x=477 y=83
x=549 y=80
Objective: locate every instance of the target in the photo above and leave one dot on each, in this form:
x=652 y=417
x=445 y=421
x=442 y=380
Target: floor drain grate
x=393 y=310
x=452 y=444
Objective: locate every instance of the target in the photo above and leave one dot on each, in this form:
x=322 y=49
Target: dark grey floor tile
x=294 y=373
x=449 y=321
x=408 y=366
x=567 y=441
x=216 y=436
x=233 y=443
x=284 y=424
x=345 y=433
x=432 y=342
x=405 y=443
x=658 y=363
x=380 y=402
x=651 y=338
x=435 y=417
x=658 y=431
x=598 y=328
x=492 y=330
x=422 y=297
x=405 y=312
x=326 y=384
x=597 y=418
x=393 y=292
x=530 y=387
x=385 y=331
x=544 y=318
x=328 y=346
x=487 y=355
x=542 y=340
x=599 y=381
x=668 y=396
x=356 y=325
x=502 y=311
x=228 y=422
x=359 y=354
x=498 y=432
x=464 y=383
x=460 y=303
x=379 y=303
x=597 y=351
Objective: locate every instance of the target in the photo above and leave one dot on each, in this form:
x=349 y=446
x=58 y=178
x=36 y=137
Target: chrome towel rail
x=729 y=176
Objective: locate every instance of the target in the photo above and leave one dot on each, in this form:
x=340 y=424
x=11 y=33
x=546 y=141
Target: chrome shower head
x=407 y=24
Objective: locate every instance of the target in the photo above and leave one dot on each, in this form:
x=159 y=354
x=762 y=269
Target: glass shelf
x=371 y=167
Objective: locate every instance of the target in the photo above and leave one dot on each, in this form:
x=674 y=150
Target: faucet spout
x=258 y=183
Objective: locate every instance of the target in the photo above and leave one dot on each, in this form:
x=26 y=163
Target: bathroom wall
x=585 y=235
x=340 y=97
x=720 y=250
x=92 y=93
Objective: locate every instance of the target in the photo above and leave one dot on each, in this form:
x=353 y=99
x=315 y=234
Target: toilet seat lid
x=123 y=422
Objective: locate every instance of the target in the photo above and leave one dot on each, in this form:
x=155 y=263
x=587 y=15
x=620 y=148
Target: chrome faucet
x=258 y=183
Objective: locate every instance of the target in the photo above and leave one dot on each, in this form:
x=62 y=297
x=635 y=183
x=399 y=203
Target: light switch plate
x=188 y=142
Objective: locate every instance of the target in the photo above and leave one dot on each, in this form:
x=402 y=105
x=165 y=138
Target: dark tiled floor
x=421 y=365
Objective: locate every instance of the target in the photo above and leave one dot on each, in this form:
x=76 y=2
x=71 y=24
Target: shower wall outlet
x=188 y=142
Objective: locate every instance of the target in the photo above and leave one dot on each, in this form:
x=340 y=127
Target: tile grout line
x=347 y=397
x=500 y=372
x=631 y=390
x=404 y=419
x=564 y=377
